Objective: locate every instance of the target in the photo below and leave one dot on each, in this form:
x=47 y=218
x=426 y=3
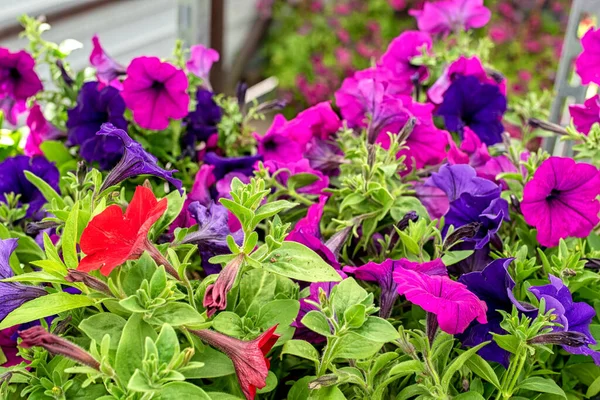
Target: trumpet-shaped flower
x=156 y=92
x=453 y=304
x=444 y=17
x=107 y=69
x=113 y=237
x=561 y=200
x=201 y=61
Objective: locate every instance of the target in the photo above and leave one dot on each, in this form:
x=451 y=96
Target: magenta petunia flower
x=107 y=69
x=444 y=17
x=561 y=200
x=40 y=130
x=586 y=64
x=453 y=304
x=201 y=61
x=18 y=80
x=401 y=50
x=156 y=92
x=585 y=115
x=278 y=144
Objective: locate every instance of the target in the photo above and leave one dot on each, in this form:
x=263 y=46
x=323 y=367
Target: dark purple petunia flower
x=13 y=180
x=480 y=106
x=225 y=165
x=135 y=161
x=202 y=123
x=13 y=294
x=18 y=79
x=573 y=316
x=211 y=236
x=494 y=286
x=383 y=274
x=472 y=200
x=95 y=107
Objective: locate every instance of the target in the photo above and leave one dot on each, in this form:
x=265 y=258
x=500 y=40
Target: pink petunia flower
x=561 y=200
x=156 y=92
x=401 y=50
x=107 y=69
x=201 y=61
x=453 y=304
x=40 y=130
x=585 y=115
x=444 y=17
x=278 y=145
x=586 y=64
x=18 y=82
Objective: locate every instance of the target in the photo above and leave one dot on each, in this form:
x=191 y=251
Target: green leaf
x=355 y=315
x=482 y=369
x=216 y=364
x=327 y=393
x=594 y=388
x=45 y=306
x=469 y=396
x=406 y=368
x=175 y=203
x=258 y=288
x=542 y=385
x=35 y=277
x=229 y=323
x=270 y=209
x=297 y=181
x=296 y=261
x=177 y=314
x=316 y=322
x=457 y=363
x=69 y=239
x=453 y=257
x=353 y=346
x=167 y=344
x=131 y=346
x=27 y=250
x=278 y=312
x=300 y=348
x=102 y=324
x=57 y=152
x=378 y=330
x=346 y=294
x=409 y=242
x=47 y=191
x=182 y=390
x=507 y=342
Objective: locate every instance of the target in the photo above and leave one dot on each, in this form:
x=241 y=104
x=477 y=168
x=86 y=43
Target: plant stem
x=327 y=354
x=510 y=378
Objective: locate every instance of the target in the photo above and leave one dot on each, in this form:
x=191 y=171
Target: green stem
x=326 y=356
x=510 y=378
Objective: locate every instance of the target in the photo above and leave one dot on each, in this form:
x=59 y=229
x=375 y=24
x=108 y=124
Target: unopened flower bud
x=571 y=339
x=464 y=232
x=515 y=203
x=81 y=172
x=88 y=280
x=33 y=228
x=323 y=381
x=409 y=216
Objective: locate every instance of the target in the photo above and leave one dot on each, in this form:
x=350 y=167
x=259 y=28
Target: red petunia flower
x=111 y=237
x=248 y=357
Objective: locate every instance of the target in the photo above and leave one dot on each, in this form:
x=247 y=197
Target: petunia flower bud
x=572 y=339
x=38 y=336
x=215 y=297
x=409 y=216
x=248 y=357
x=33 y=228
x=464 y=232
x=88 y=280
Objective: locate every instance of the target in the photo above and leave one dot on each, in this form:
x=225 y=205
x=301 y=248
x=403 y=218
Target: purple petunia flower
x=472 y=199
x=95 y=107
x=135 y=161
x=156 y=92
x=494 y=286
x=13 y=180
x=211 y=236
x=18 y=82
x=397 y=57
x=480 y=106
x=383 y=274
x=444 y=17
x=586 y=64
x=202 y=123
x=573 y=316
x=201 y=61
x=13 y=294
x=561 y=200
x=225 y=165
x=585 y=115
x=40 y=130
x=107 y=69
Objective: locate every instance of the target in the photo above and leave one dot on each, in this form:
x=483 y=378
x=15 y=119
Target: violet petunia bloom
x=211 y=236
x=444 y=17
x=202 y=123
x=135 y=161
x=463 y=66
x=586 y=64
x=561 y=200
x=156 y=92
x=13 y=294
x=480 y=106
x=573 y=316
x=494 y=286
x=95 y=107
x=13 y=180
x=200 y=192
x=324 y=156
x=225 y=165
x=40 y=130
x=383 y=274
x=18 y=82
x=201 y=61
x=108 y=70
x=585 y=115
x=397 y=57
x=453 y=304
x=472 y=200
